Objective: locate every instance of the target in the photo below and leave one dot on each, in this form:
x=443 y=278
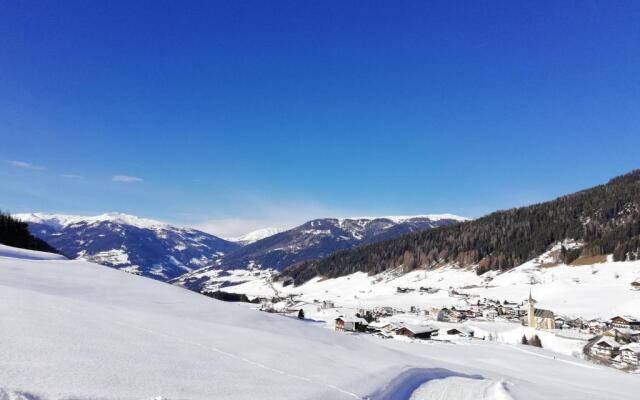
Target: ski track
x=557 y=359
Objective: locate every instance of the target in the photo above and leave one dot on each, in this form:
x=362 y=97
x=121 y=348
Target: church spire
x=531 y=311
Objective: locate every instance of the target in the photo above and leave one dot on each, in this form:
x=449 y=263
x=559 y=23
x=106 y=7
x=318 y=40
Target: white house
x=350 y=324
x=605 y=348
x=490 y=313
x=630 y=354
x=625 y=322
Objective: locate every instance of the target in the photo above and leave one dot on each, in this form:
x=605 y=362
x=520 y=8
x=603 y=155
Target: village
x=614 y=342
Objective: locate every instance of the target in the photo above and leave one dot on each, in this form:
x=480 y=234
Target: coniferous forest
x=606 y=218
x=16 y=234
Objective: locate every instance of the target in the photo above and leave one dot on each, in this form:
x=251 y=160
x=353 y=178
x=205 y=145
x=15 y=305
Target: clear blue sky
x=240 y=114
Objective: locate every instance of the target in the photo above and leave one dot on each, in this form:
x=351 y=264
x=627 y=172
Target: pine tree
x=301 y=314
x=535 y=341
x=524 y=340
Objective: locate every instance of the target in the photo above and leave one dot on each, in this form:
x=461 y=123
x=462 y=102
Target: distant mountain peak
x=64 y=220
x=256 y=235
x=129 y=243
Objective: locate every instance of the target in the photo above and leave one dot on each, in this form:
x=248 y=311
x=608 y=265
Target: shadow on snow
x=403 y=385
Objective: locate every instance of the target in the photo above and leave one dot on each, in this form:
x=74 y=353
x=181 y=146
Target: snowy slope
x=143 y=246
x=14 y=252
x=599 y=290
x=73 y=329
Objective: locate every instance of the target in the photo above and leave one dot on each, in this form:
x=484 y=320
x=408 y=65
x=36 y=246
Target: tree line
x=606 y=218
x=15 y=233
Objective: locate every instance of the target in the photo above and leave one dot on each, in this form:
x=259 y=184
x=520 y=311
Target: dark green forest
x=15 y=233
x=605 y=217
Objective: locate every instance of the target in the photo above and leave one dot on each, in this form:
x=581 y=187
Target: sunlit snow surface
x=77 y=330
x=600 y=290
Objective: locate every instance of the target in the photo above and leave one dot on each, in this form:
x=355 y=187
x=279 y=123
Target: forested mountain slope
x=15 y=233
x=321 y=237
x=606 y=218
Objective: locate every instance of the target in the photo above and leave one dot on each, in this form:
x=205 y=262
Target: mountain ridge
x=138 y=245
x=314 y=239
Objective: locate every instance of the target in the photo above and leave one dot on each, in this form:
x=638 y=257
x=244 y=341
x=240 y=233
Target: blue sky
x=241 y=114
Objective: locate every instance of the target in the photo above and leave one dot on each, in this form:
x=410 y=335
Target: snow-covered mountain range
x=126 y=242
x=314 y=240
x=167 y=252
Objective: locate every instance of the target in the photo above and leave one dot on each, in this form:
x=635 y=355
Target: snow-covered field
x=13 y=252
x=73 y=329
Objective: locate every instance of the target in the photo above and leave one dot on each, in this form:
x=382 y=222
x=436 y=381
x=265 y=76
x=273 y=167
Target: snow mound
x=461 y=389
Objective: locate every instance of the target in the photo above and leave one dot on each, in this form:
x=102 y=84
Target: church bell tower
x=531 y=312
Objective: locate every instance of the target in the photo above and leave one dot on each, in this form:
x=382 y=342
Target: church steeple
x=531 y=311
x=531 y=300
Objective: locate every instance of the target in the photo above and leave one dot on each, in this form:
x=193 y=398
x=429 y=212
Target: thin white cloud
x=126 y=179
x=24 y=165
x=71 y=176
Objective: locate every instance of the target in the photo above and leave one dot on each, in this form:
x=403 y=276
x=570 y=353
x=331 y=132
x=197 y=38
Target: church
x=539 y=318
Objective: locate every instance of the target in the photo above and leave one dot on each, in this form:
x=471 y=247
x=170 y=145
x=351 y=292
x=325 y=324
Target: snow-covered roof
x=417 y=329
x=353 y=319
x=463 y=329
x=379 y=324
x=539 y=312
x=627 y=318
x=635 y=347
x=609 y=342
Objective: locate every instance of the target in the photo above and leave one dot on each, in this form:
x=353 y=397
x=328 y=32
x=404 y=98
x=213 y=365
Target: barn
x=416 y=331
x=350 y=324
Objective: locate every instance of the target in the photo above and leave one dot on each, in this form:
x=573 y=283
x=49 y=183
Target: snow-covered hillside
x=600 y=290
x=73 y=329
x=14 y=252
x=313 y=240
x=138 y=245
